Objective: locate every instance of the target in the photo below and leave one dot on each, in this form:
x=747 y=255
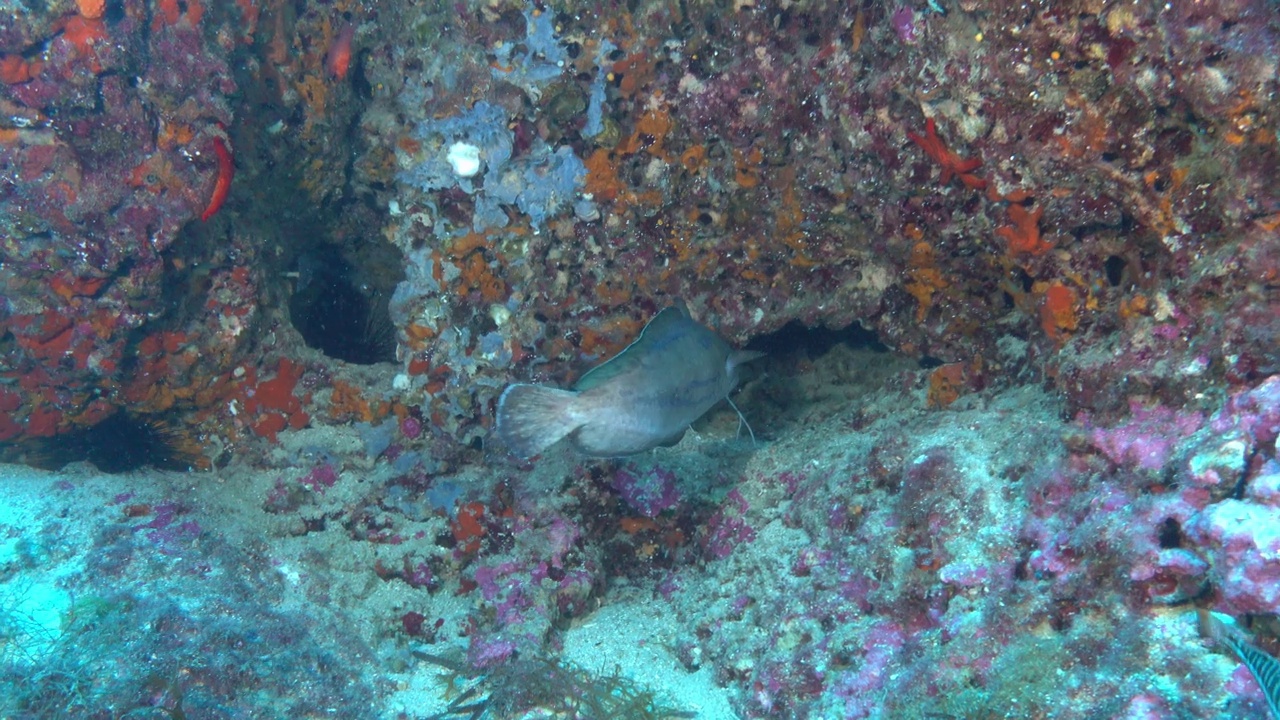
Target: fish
x=1265 y=668
x=644 y=397
x=338 y=59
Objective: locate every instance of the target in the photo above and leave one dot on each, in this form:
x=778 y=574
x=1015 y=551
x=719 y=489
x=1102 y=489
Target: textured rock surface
x=1063 y=222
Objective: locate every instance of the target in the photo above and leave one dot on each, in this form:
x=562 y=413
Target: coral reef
x=1016 y=272
x=549 y=179
x=114 y=141
x=755 y=165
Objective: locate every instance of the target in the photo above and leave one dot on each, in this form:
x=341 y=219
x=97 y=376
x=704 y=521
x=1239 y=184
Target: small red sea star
x=952 y=164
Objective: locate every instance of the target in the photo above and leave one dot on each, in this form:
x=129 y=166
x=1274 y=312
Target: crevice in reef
x=123 y=442
x=795 y=337
x=340 y=311
x=810 y=373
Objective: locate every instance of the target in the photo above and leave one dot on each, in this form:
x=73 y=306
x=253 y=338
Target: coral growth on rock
x=1017 y=274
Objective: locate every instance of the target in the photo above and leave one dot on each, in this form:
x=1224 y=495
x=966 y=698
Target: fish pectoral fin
x=673 y=439
x=741 y=357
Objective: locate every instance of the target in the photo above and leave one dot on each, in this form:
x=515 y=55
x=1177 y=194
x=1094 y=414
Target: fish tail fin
x=532 y=418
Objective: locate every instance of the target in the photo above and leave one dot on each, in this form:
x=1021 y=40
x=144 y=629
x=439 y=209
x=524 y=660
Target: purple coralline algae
x=648 y=492
x=905 y=22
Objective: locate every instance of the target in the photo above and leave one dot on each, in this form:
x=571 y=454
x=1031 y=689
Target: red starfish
x=952 y=164
x=1023 y=233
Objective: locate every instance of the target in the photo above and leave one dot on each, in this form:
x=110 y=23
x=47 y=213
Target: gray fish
x=642 y=398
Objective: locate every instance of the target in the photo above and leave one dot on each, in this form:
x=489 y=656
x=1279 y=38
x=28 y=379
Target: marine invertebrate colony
x=325 y=239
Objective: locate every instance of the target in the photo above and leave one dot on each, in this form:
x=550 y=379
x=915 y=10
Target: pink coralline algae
x=728 y=528
x=1241 y=539
x=905 y=23
x=321 y=478
x=545 y=577
x=858 y=689
x=1255 y=412
x=964 y=574
x=1147 y=437
x=1146 y=706
x=1265 y=485
x=170 y=536
x=411 y=427
x=1187 y=536
x=648 y=492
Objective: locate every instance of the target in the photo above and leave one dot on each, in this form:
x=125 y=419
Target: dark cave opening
x=811 y=371
x=338 y=313
x=122 y=443
x=795 y=337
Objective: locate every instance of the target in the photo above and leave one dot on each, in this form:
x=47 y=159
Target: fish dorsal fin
x=655 y=334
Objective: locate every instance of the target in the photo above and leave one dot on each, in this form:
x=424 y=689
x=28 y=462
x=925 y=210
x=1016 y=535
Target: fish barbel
x=644 y=397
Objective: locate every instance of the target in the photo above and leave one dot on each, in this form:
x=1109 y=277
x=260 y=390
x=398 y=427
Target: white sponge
x=465 y=159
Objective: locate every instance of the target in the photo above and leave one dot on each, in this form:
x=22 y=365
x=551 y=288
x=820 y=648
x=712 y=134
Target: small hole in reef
x=1170 y=534
x=1114 y=267
x=1025 y=280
